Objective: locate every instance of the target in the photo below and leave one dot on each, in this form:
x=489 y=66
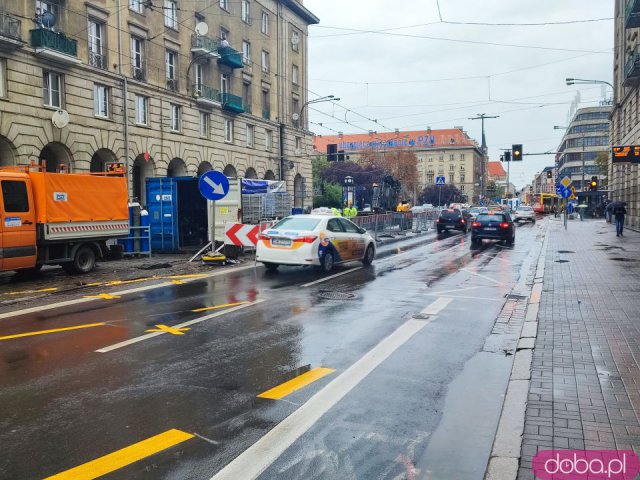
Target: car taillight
x=475 y=224
x=504 y=225
x=307 y=239
x=437 y=220
x=462 y=221
x=264 y=236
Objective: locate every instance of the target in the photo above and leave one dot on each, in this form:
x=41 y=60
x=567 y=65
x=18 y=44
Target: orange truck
x=59 y=218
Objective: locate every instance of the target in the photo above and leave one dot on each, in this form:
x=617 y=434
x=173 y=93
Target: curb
x=504 y=461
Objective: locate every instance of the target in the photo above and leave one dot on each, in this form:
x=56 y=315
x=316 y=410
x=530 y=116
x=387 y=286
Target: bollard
x=376 y=228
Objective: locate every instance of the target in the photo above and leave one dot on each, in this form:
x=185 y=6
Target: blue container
x=162 y=203
x=297 y=211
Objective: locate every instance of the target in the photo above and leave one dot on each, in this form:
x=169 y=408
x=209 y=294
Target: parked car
x=452 y=219
x=524 y=214
x=494 y=225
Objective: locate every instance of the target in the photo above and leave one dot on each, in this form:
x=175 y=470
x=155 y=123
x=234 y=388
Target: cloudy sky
x=407 y=69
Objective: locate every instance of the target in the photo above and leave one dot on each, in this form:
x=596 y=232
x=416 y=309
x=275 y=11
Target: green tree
x=602 y=162
x=325 y=193
x=494 y=190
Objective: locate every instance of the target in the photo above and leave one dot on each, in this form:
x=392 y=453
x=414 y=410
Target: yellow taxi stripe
x=55 y=330
x=126 y=456
x=297 y=383
x=216 y=307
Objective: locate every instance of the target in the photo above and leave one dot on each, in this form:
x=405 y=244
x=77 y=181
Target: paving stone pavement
x=585 y=379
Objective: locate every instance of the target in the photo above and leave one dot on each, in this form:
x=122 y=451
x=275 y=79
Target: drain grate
x=515 y=296
x=566 y=251
x=562 y=261
x=331 y=295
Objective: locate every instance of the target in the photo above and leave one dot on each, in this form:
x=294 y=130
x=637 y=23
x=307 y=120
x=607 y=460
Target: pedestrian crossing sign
x=439 y=180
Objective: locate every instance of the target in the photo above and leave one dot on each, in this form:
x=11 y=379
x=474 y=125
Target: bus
x=544 y=202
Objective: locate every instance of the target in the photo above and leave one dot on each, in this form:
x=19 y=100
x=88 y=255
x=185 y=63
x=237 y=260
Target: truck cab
x=17 y=222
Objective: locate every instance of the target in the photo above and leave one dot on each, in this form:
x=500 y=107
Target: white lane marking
x=181 y=325
x=331 y=277
x=437 y=306
x=456 y=290
x=501 y=300
x=481 y=276
x=258 y=457
x=77 y=301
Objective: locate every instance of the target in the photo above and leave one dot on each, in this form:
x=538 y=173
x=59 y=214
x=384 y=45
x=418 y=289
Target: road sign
x=214 y=185
x=440 y=180
x=566 y=181
x=564 y=192
x=241 y=235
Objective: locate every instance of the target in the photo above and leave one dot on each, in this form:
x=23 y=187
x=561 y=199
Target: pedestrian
x=224 y=43
x=619 y=212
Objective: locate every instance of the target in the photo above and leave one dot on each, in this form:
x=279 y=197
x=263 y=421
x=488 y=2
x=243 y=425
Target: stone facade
x=173 y=121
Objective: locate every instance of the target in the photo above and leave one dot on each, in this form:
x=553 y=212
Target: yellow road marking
x=177 y=282
x=43 y=290
x=55 y=330
x=126 y=456
x=190 y=275
x=173 y=331
x=297 y=383
x=216 y=307
x=106 y=296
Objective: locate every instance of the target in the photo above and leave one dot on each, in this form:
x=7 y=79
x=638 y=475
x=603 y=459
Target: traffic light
x=549 y=174
x=594 y=184
x=516 y=152
x=507 y=156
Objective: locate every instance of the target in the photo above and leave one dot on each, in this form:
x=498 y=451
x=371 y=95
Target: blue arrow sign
x=439 y=180
x=213 y=185
x=564 y=192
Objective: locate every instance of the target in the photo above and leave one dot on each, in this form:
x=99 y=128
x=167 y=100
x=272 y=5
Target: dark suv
x=452 y=219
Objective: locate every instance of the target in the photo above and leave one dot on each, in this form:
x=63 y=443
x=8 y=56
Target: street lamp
x=327 y=98
x=573 y=81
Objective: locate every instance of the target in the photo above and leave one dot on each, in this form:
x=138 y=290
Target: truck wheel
x=83 y=262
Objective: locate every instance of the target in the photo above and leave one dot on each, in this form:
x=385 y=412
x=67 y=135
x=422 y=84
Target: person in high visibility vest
x=336 y=212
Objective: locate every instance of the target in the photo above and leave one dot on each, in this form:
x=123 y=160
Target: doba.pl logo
x=586 y=464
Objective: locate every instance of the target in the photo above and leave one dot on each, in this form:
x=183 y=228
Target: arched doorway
x=230 y=171
x=298 y=191
x=100 y=159
x=203 y=168
x=177 y=168
x=141 y=170
x=269 y=175
x=7 y=153
x=250 y=173
x=57 y=156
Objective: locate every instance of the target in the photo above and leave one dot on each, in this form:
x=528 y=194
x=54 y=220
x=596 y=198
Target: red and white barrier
x=243 y=235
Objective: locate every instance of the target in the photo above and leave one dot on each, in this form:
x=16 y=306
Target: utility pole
x=481 y=117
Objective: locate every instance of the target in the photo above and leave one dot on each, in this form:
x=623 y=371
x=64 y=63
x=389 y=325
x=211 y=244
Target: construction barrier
x=396 y=222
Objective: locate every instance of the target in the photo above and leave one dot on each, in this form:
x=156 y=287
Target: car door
x=339 y=239
x=355 y=238
x=18 y=224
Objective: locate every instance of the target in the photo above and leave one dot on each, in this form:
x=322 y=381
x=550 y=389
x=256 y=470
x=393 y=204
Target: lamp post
x=327 y=98
x=579 y=81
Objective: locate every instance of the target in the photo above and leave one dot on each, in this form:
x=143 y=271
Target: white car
x=524 y=214
x=320 y=240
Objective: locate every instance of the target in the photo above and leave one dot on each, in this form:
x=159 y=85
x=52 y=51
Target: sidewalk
x=585 y=378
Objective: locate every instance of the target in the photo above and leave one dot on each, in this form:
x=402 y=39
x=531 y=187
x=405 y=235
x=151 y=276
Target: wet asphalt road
x=429 y=410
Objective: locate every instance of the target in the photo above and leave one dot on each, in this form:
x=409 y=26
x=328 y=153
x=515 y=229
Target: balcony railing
x=172 y=84
x=137 y=73
x=10 y=26
x=232 y=103
x=204 y=45
x=632 y=14
x=632 y=69
x=97 y=60
x=230 y=57
x=205 y=94
x=42 y=38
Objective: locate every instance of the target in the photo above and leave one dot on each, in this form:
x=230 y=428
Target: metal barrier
x=396 y=222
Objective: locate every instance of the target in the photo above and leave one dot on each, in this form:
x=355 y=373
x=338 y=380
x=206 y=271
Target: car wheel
x=511 y=241
x=439 y=231
x=369 y=255
x=327 y=262
x=272 y=267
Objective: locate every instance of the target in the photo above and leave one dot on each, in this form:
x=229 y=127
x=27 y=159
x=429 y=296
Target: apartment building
x=167 y=88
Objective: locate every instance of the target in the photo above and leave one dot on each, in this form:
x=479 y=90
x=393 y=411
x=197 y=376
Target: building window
x=246 y=52
x=96 y=45
x=461 y=186
x=298 y=146
x=228 y=130
x=3 y=78
x=52 y=89
x=171 y=14
x=462 y=178
x=136 y=5
x=264 y=27
x=430 y=159
x=137 y=58
x=199 y=77
x=265 y=61
x=295 y=41
x=224 y=4
x=266 y=104
x=142 y=110
x=250 y=135
x=224 y=34
x=268 y=140
x=245 y=12
x=175 y=118
x=462 y=168
x=224 y=83
x=441 y=158
x=101 y=101
x=430 y=177
x=452 y=168
x=295 y=75
x=451 y=178
x=46 y=6
x=171 y=59
x=462 y=156
x=246 y=96
x=295 y=108
x=451 y=157
x=204 y=124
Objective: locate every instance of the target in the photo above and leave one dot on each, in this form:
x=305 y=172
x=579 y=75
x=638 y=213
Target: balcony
x=54 y=46
x=205 y=95
x=232 y=103
x=266 y=114
x=632 y=69
x=230 y=57
x=10 y=30
x=172 y=84
x=204 y=46
x=137 y=73
x=632 y=14
x=97 y=60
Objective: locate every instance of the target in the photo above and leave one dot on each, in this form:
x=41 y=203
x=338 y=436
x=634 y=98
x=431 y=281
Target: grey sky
x=343 y=62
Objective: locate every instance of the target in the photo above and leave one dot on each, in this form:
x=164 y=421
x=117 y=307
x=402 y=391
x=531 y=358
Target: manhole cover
x=562 y=261
x=566 y=251
x=620 y=259
x=516 y=297
x=330 y=295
